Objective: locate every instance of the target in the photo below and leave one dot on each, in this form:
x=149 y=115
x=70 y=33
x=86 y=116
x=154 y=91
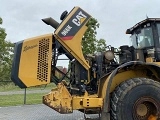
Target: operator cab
x=145 y=39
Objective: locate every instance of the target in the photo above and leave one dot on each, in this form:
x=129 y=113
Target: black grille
x=42 y=71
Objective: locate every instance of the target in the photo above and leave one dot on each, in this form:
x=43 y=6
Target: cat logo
x=72 y=24
x=80 y=17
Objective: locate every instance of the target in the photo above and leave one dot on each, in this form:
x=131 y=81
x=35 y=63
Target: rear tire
x=136 y=99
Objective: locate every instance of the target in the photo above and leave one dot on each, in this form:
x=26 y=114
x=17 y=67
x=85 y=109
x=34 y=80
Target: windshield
x=142 y=38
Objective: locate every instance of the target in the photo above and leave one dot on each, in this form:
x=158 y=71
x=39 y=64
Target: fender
x=126 y=71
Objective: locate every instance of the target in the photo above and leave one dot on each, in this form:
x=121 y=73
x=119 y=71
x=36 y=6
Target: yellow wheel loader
x=120 y=84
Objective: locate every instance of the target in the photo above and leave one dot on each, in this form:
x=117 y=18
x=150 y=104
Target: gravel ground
x=39 y=112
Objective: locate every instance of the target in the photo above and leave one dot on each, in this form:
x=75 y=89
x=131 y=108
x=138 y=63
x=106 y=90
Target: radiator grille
x=42 y=70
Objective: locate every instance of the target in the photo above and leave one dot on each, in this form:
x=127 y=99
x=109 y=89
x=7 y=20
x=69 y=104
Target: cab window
x=142 y=38
x=158 y=26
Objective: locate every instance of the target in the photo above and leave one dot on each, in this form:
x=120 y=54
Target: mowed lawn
x=18 y=99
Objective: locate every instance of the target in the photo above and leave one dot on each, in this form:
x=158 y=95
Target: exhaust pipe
x=50 y=21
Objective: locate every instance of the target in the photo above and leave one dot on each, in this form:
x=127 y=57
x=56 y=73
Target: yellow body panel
x=120 y=77
x=103 y=86
x=74 y=45
x=77 y=102
x=35 y=61
x=117 y=79
x=157 y=63
x=92 y=102
x=86 y=101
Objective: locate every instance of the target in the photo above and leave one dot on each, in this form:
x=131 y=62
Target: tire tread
x=118 y=94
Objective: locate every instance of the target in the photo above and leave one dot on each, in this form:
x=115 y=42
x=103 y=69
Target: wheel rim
x=146 y=108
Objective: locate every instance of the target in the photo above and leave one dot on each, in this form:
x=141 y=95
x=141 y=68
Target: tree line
x=6 y=55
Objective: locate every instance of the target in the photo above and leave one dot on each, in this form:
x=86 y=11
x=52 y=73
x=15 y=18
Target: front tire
x=136 y=99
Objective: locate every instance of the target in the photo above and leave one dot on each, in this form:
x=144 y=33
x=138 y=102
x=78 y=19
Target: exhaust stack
x=50 y=21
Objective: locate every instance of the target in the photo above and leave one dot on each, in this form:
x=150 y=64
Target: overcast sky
x=22 y=18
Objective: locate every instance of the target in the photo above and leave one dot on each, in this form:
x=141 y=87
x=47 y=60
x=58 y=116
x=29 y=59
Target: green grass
x=18 y=99
x=12 y=87
x=13 y=100
x=8 y=87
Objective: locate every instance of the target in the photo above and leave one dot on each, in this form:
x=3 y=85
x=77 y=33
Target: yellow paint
x=117 y=79
x=152 y=117
x=92 y=102
x=149 y=60
x=103 y=83
x=157 y=63
x=29 y=61
x=74 y=45
x=82 y=19
x=86 y=101
x=77 y=102
x=120 y=77
x=59 y=99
